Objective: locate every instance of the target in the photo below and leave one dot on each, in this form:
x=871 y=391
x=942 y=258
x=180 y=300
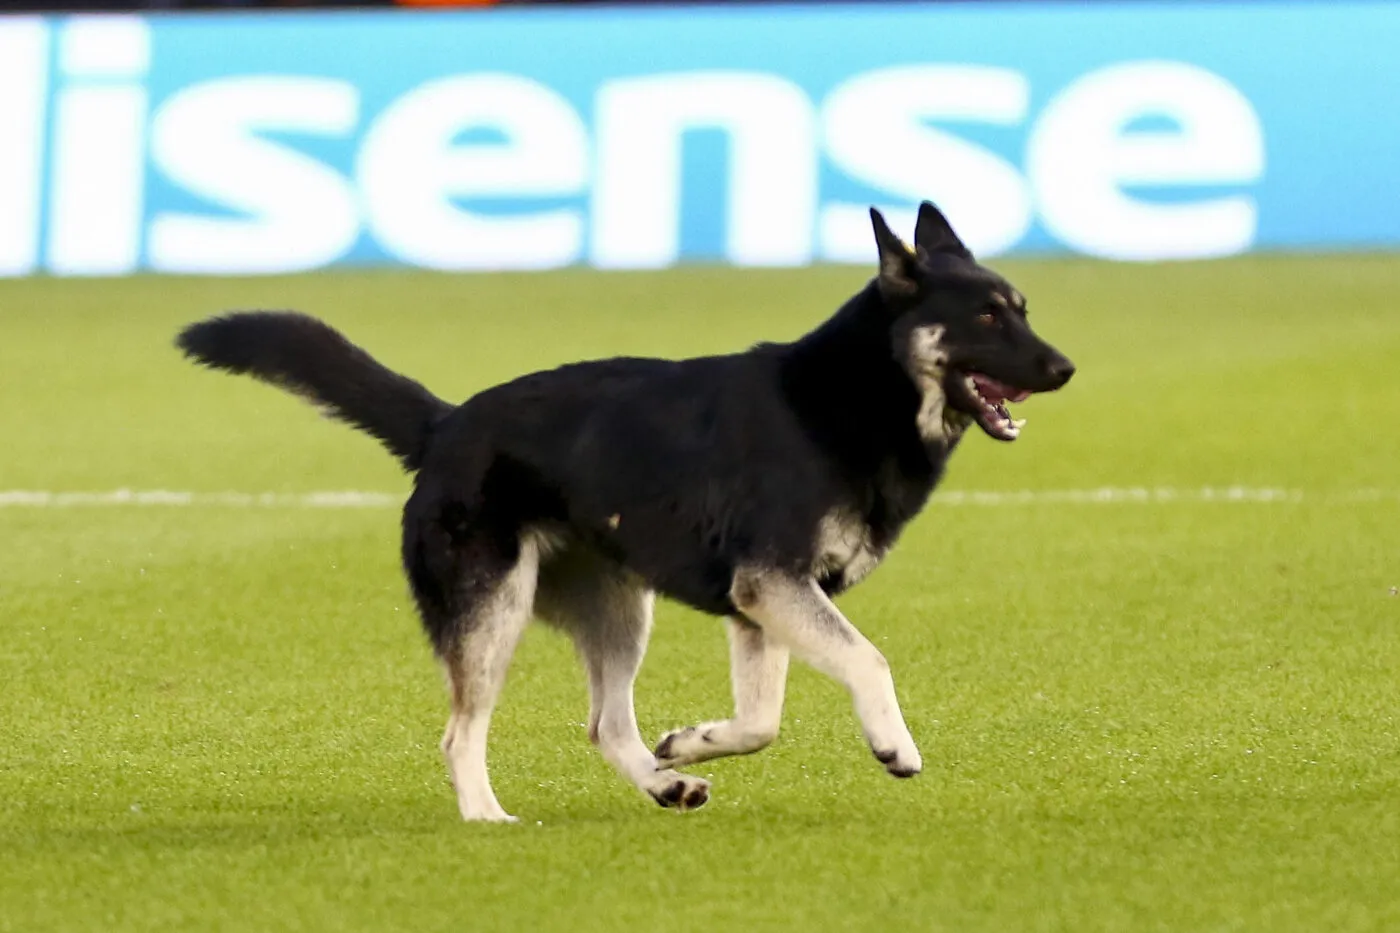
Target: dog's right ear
x=898 y=261
x=935 y=234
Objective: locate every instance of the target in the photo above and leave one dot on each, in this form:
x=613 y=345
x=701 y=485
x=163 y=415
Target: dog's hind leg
x=758 y=668
x=609 y=616
x=612 y=652
x=476 y=659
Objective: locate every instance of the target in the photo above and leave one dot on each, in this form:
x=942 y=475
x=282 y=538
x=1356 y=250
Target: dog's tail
x=311 y=359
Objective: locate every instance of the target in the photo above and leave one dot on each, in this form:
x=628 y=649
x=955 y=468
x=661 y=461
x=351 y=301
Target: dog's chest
x=845 y=552
x=851 y=540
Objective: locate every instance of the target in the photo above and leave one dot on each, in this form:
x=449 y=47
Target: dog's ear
x=934 y=234
x=898 y=261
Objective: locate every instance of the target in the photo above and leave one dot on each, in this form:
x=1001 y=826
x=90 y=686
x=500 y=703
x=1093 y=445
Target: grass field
x=1175 y=714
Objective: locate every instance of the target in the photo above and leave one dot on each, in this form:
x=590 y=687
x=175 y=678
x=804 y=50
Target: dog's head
x=960 y=325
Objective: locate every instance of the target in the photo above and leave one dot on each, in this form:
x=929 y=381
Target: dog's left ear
x=934 y=234
x=898 y=261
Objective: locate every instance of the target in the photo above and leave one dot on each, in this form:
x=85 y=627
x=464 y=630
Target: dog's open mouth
x=988 y=399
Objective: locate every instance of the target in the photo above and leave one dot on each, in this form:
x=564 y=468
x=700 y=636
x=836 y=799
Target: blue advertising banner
x=641 y=137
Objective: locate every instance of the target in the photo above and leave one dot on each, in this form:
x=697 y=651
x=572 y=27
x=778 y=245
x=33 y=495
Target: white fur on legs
x=758 y=669
x=612 y=651
x=476 y=670
x=464 y=747
x=795 y=611
x=608 y=613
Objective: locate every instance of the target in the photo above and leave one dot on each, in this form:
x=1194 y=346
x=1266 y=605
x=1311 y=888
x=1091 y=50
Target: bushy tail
x=305 y=356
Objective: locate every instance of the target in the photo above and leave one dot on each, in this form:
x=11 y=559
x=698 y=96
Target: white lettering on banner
x=105 y=46
x=494 y=171
x=1082 y=152
x=95 y=207
x=410 y=171
x=295 y=212
x=23 y=89
x=874 y=128
x=771 y=201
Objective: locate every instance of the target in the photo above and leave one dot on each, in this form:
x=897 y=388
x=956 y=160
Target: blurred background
x=1149 y=647
x=641 y=136
x=1175 y=199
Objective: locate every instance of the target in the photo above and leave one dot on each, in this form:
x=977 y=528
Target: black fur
x=678 y=471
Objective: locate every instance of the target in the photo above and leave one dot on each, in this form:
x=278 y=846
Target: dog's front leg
x=758 y=667
x=796 y=612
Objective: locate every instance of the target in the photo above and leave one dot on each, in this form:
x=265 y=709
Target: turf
x=1162 y=715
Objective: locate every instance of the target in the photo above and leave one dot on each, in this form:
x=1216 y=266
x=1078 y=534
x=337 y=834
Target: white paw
x=484 y=813
x=681 y=747
x=678 y=791
x=502 y=818
x=900 y=762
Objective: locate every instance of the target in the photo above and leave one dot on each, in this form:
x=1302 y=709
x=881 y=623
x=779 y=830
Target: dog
x=754 y=486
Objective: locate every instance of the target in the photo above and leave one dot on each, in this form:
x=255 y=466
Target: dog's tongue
x=994 y=391
x=991 y=398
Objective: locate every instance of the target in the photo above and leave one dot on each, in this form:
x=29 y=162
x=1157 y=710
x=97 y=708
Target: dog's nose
x=1059 y=369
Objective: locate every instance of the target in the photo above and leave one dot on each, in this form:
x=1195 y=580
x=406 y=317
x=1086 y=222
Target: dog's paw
x=486 y=815
x=504 y=819
x=678 y=791
x=681 y=747
x=900 y=764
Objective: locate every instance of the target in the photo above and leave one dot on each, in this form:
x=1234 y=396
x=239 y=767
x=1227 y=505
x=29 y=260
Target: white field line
x=356 y=499
x=349 y=499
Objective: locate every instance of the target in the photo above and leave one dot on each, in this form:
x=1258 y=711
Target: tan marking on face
x=926 y=354
x=1018 y=301
x=927 y=361
x=999 y=298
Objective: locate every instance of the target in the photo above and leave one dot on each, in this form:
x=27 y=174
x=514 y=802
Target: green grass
x=1162 y=716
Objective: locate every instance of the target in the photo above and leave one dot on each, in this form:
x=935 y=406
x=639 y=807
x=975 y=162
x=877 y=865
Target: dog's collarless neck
x=859 y=405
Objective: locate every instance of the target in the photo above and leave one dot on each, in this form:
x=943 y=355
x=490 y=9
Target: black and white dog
x=754 y=486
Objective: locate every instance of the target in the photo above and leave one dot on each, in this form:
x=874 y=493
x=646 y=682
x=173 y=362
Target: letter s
x=297 y=212
x=875 y=128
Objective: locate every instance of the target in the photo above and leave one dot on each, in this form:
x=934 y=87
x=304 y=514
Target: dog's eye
x=987 y=319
